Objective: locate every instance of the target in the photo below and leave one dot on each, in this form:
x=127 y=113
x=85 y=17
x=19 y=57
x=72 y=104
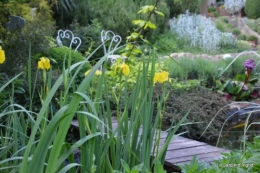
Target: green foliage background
x=252 y=9
x=115 y=15
x=180 y=6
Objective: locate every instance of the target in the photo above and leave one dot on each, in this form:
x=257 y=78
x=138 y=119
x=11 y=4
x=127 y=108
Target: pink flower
x=249 y=64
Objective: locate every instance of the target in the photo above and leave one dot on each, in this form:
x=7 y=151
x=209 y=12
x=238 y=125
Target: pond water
x=232 y=136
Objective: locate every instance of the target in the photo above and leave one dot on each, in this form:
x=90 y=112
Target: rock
x=174 y=55
x=227 y=56
x=181 y=55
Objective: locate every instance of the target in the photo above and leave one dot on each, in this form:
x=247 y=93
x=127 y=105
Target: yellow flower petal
x=47 y=64
x=87 y=72
x=98 y=72
x=125 y=69
x=44 y=63
x=161 y=77
x=40 y=65
x=166 y=74
x=2 y=56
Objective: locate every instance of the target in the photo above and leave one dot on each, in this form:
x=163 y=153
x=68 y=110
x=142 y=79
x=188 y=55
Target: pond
x=233 y=133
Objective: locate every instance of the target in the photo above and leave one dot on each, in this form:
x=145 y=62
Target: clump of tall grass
x=43 y=149
x=204 y=69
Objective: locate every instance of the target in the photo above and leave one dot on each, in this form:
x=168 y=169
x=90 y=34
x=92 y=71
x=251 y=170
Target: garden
x=151 y=65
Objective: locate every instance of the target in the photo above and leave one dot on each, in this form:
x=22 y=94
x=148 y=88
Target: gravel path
x=206 y=56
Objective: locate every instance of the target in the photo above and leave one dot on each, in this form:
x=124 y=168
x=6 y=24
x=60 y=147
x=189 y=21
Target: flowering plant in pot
x=242 y=87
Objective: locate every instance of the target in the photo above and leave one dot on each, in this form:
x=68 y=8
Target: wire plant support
x=110 y=42
x=67 y=34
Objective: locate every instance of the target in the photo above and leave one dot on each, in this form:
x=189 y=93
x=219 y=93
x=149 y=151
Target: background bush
x=242 y=37
x=224 y=19
x=212 y=9
x=61 y=53
x=236 y=31
x=89 y=35
x=4 y=13
x=243 y=45
x=35 y=33
x=180 y=6
x=197 y=68
x=216 y=14
x=253 y=24
x=252 y=9
x=252 y=38
x=220 y=26
x=198 y=31
x=114 y=15
x=205 y=70
x=165 y=43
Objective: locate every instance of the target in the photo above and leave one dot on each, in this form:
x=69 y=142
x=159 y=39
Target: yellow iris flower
x=44 y=63
x=2 y=56
x=98 y=72
x=161 y=77
x=125 y=69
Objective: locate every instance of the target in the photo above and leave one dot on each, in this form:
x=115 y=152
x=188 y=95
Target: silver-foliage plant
x=233 y=6
x=199 y=31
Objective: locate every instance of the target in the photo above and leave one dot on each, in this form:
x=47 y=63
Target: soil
x=203 y=105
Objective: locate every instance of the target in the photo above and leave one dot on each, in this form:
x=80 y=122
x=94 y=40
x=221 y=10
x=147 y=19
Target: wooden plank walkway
x=181 y=150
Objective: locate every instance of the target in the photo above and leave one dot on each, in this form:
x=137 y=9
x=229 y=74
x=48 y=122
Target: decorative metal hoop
x=68 y=35
x=114 y=40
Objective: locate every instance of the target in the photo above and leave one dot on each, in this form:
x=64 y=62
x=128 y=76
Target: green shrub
x=114 y=15
x=212 y=9
x=229 y=25
x=252 y=9
x=4 y=12
x=216 y=14
x=243 y=45
x=204 y=69
x=90 y=37
x=253 y=24
x=197 y=68
x=242 y=37
x=223 y=19
x=33 y=34
x=236 y=31
x=59 y=53
x=166 y=43
x=252 y=38
x=220 y=26
x=180 y=6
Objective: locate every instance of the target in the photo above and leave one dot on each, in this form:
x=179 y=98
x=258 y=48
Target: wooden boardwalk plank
x=186 y=144
x=191 y=151
x=208 y=157
x=181 y=150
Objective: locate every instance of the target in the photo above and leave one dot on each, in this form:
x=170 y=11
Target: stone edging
x=205 y=56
